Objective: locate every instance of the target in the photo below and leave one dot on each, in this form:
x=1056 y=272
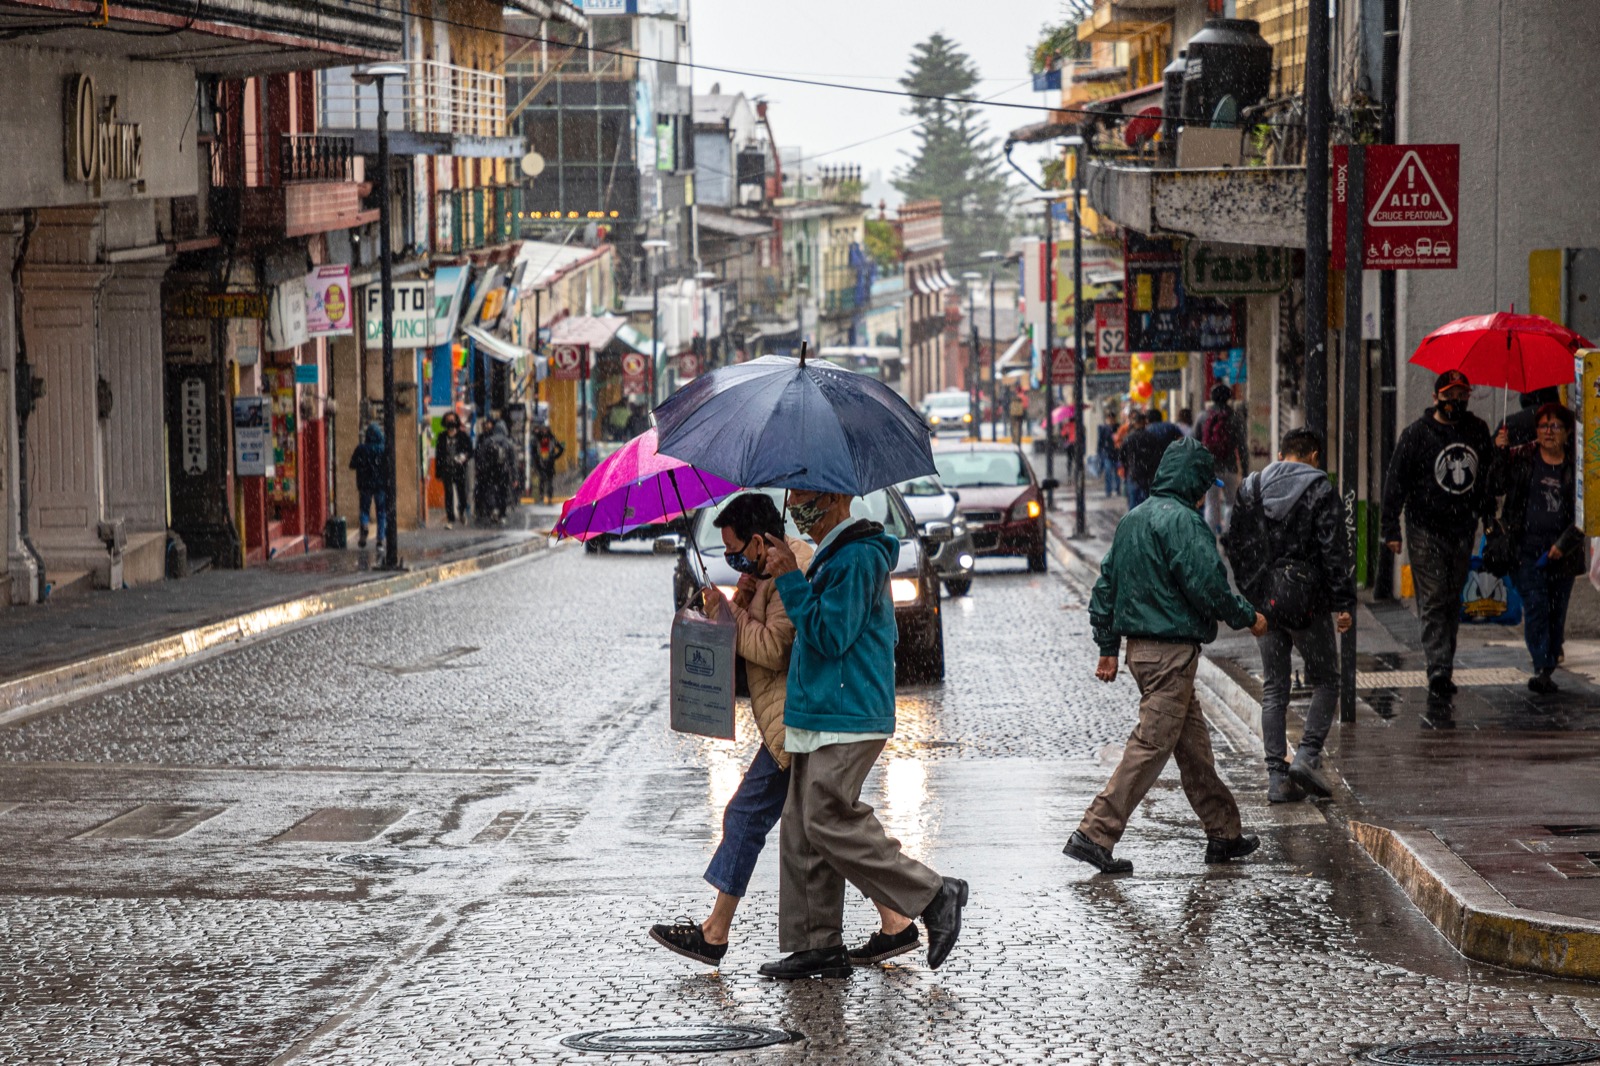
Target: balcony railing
x=430 y=98
x=316 y=157
x=479 y=218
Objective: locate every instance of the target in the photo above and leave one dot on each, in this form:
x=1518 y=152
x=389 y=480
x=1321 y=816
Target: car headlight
x=967 y=417
x=1033 y=509
x=958 y=528
x=934 y=419
x=904 y=590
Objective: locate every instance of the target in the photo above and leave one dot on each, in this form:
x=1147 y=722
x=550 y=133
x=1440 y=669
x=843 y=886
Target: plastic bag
x=1486 y=598
x=703 y=673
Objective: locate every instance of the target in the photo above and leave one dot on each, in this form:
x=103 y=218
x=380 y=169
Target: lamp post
x=1048 y=376
x=374 y=75
x=972 y=277
x=701 y=277
x=651 y=247
x=994 y=383
x=1080 y=522
x=800 y=290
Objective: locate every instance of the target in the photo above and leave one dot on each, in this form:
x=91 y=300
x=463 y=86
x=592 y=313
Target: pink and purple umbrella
x=637 y=486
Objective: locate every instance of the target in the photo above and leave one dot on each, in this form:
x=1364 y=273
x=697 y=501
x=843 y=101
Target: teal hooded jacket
x=841 y=668
x=1163 y=578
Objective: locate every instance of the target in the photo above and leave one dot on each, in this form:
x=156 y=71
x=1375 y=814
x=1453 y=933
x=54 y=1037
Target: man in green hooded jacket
x=1163 y=587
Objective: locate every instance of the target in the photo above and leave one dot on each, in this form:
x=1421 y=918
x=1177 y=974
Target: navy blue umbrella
x=789 y=423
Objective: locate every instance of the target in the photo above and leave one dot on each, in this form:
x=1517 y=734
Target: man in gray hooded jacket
x=1290 y=515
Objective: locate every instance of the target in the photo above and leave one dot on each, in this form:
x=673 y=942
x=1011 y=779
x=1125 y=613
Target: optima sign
x=100 y=146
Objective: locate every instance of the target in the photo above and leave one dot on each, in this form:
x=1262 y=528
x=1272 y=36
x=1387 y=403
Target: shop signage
x=1162 y=315
x=1110 y=329
x=100 y=146
x=1063 y=366
x=447 y=292
x=569 y=362
x=1412 y=194
x=1122 y=364
x=411 y=314
x=1588 y=405
x=219 y=305
x=305 y=374
x=329 y=311
x=1234 y=269
x=192 y=427
x=286 y=322
x=634 y=365
x=252 y=437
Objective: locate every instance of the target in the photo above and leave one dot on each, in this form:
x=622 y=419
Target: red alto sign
x=1412 y=206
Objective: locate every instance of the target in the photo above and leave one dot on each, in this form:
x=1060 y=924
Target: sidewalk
x=1490 y=821
x=92 y=637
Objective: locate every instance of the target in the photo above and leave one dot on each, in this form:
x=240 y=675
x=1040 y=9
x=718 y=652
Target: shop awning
x=640 y=343
x=493 y=346
x=594 y=330
x=1019 y=354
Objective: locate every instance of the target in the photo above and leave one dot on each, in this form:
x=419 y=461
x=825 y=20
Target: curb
x=1477 y=921
x=23 y=696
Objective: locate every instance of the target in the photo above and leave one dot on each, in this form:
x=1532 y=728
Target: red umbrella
x=1503 y=350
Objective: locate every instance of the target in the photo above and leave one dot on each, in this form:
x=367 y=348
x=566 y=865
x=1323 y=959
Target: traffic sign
x=633 y=368
x=1411 y=198
x=1063 y=366
x=569 y=362
x=688 y=365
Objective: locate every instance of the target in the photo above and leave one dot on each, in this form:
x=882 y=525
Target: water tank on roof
x=1228 y=57
x=1172 y=96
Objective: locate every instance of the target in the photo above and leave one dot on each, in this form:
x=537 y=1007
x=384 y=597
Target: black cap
x=1449 y=380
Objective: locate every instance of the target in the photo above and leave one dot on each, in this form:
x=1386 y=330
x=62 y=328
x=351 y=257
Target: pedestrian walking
x=1291 y=557
x=452 y=451
x=1440 y=477
x=371 y=481
x=1163 y=587
x=546 y=451
x=1538 y=519
x=765 y=637
x=840 y=709
x=495 y=462
x=1521 y=425
x=1222 y=431
x=1145 y=447
x=1106 y=446
x=1185 y=421
x=1017 y=414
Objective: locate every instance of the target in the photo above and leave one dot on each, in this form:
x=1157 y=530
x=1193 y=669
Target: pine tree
x=955 y=162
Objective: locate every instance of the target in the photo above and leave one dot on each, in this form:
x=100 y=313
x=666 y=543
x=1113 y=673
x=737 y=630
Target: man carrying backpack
x=1290 y=555
x=1223 y=433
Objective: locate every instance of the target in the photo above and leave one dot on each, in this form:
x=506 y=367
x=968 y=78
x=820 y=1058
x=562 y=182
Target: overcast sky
x=864 y=42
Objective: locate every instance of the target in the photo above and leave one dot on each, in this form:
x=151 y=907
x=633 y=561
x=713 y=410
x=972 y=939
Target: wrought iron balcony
x=315 y=157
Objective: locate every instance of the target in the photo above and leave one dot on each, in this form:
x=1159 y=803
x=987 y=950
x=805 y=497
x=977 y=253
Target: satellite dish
x=533 y=164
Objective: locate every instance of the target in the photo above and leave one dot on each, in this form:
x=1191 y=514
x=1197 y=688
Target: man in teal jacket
x=1163 y=587
x=838 y=713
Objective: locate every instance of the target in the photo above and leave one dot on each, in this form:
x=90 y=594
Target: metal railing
x=269 y=160
x=315 y=157
x=478 y=218
x=431 y=97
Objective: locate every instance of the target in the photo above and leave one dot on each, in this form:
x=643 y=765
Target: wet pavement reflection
x=436 y=830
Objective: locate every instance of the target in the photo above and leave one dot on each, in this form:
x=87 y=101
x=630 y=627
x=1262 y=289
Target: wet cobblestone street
x=436 y=831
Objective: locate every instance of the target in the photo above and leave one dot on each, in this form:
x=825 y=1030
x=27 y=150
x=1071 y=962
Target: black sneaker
x=686 y=938
x=361 y=539
x=1083 y=849
x=881 y=946
x=1542 y=684
x=1220 y=850
x=1441 y=687
x=818 y=962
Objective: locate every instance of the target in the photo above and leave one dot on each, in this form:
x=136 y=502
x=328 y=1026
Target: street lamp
x=800 y=290
x=1080 y=523
x=994 y=383
x=701 y=277
x=374 y=75
x=651 y=247
x=1048 y=376
x=972 y=277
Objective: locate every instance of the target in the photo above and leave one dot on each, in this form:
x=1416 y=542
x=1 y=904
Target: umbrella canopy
x=636 y=486
x=789 y=423
x=1503 y=350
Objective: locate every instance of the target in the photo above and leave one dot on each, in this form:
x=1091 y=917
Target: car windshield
x=960 y=470
x=876 y=506
x=921 y=486
x=948 y=403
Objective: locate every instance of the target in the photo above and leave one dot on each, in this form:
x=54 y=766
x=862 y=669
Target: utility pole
x=1350 y=379
x=1388 y=342
x=650 y=248
x=972 y=277
x=1317 y=121
x=1048 y=376
x=1080 y=523
x=991 y=258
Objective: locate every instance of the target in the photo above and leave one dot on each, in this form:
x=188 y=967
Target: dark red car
x=1001 y=499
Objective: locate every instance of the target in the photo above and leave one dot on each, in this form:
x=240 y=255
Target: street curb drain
x=1512 y=1049
x=675 y=1039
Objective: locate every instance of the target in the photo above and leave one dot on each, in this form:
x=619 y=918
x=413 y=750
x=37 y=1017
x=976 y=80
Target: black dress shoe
x=1220 y=850
x=818 y=962
x=943 y=919
x=881 y=946
x=686 y=938
x=1083 y=849
x=1542 y=684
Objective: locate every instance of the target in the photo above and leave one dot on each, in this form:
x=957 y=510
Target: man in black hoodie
x=1440 y=477
x=1289 y=526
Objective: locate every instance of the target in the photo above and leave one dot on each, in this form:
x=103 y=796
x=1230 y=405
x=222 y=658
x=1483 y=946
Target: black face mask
x=743 y=563
x=1451 y=410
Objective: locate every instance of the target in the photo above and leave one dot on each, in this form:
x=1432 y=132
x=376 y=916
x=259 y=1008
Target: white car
x=948 y=412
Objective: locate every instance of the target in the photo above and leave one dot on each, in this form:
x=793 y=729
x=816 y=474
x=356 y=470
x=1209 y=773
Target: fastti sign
x=1411 y=200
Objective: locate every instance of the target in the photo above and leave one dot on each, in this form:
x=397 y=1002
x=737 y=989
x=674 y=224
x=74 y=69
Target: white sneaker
x=449 y=525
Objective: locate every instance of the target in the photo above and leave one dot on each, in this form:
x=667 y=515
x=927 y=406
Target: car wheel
x=1039 y=561
x=958 y=586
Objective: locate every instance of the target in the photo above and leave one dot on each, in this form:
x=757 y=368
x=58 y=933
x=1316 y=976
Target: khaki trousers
x=828 y=837
x=1170 y=724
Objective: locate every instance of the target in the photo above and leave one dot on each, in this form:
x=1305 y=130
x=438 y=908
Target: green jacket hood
x=1187 y=470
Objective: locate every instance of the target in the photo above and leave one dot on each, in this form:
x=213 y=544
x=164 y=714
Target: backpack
x=1217 y=434
x=1284 y=589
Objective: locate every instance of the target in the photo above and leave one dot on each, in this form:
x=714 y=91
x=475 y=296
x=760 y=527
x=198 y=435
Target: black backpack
x=1283 y=589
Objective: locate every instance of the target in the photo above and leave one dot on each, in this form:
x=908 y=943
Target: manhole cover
x=1511 y=1050
x=670 y=1038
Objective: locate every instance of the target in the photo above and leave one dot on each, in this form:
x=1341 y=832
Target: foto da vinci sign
x=100 y=146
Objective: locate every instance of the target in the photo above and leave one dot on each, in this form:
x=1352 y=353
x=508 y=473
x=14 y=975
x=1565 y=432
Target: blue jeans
x=1137 y=494
x=1544 y=613
x=1113 y=479
x=750 y=816
x=1320 y=650
x=369 y=498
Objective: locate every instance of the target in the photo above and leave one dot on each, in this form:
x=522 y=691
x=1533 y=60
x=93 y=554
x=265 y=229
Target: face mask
x=743 y=564
x=1450 y=410
x=807 y=515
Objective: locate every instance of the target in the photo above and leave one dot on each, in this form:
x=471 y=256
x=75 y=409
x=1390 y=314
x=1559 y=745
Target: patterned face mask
x=807 y=515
